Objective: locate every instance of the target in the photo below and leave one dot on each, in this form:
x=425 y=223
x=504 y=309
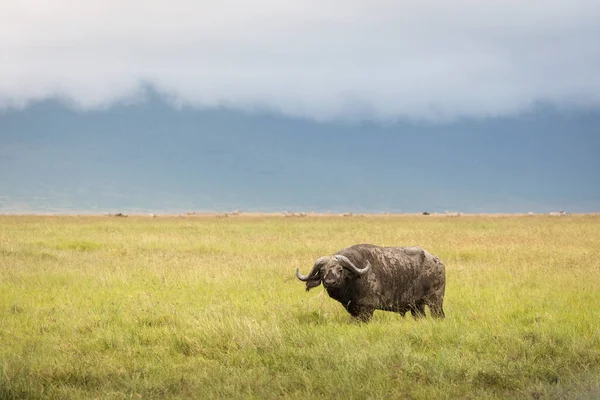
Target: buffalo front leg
x=361 y=313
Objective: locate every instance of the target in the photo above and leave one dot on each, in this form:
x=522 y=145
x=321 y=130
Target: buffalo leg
x=435 y=306
x=437 y=311
x=418 y=310
x=402 y=311
x=361 y=313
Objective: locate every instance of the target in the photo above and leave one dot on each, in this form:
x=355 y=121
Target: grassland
x=198 y=307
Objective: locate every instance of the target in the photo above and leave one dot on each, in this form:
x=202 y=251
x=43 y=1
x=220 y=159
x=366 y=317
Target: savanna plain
x=201 y=307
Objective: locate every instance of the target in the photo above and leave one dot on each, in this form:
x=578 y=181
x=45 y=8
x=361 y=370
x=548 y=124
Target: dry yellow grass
x=172 y=307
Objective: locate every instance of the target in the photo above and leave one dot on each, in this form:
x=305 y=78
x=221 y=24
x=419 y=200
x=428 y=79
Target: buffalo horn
x=314 y=270
x=353 y=267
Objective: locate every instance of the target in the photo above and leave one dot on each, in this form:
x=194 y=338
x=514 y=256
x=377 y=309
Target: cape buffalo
x=365 y=278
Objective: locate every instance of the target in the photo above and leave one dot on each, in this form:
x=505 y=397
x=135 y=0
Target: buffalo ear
x=314 y=282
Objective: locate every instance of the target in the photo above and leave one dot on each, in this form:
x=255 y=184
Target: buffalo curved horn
x=314 y=270
x=353 y=267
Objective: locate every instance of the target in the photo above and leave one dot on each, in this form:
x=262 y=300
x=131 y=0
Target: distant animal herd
x=303 y=214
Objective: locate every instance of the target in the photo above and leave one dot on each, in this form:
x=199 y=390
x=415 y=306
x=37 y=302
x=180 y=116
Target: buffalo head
x=333 y=271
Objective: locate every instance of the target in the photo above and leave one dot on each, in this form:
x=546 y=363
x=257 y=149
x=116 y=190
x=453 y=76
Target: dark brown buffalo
x=365 y=278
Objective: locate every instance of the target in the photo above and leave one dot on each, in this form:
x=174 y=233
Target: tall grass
x=97 y=307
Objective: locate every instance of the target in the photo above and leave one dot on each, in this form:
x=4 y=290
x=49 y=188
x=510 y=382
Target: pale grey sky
x=319 y=59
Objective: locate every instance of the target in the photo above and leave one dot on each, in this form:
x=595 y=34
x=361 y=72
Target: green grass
x=98 y=307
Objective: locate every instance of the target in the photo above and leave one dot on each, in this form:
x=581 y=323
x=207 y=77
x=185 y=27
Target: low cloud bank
x=319 y=59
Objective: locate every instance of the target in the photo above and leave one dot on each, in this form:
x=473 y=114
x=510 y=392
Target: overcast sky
x=319 y=59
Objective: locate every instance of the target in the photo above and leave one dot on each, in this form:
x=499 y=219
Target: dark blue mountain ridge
x=153 y=156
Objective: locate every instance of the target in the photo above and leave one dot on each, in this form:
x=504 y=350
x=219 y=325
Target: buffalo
x=365 y=278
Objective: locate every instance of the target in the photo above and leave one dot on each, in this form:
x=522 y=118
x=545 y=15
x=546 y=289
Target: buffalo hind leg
x=402 y=311
x=437 y=311
x=418 y=310
x=436 y=306
x=361 y=313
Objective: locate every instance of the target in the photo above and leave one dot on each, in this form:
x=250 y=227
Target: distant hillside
x=151 y=156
